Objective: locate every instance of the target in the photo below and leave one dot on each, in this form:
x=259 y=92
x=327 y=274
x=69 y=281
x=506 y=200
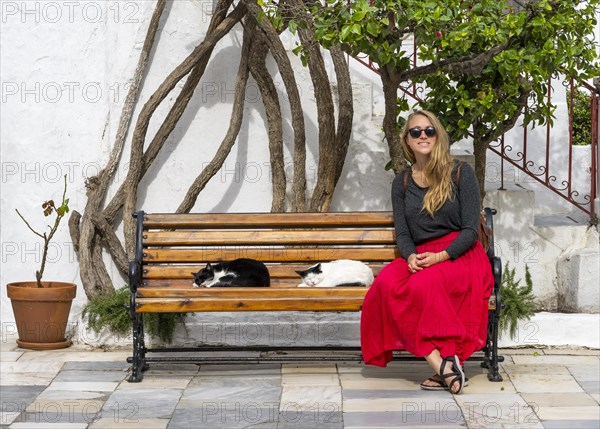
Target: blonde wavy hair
x=438 y=171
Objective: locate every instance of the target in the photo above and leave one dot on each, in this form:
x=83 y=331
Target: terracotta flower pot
x=41 y=314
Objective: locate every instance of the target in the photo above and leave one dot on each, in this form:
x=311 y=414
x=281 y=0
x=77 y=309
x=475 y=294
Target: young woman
x=433 y=300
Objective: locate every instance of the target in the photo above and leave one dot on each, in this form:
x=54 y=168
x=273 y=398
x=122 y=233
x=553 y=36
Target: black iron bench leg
x=138 y=361
x=491 y=359
x=494 y=368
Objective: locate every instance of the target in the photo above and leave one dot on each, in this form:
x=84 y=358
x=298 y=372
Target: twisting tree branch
x=235 y=124
x=82 y=228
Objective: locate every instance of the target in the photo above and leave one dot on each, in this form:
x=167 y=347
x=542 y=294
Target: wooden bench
x=170 y=246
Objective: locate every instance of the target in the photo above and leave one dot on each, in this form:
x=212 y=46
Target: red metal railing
x=545 y=172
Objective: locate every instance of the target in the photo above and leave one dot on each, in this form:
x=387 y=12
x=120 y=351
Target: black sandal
x=440 y=384
x=456 y=371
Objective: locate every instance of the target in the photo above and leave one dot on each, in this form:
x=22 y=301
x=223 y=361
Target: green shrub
x=110 y=311
x=518 y=302
x=582 y=119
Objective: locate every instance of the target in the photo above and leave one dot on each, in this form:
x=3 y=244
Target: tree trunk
x=287 y=74
x=390 y=81
x=268 y=92
x=345 y=109
x=480 y=150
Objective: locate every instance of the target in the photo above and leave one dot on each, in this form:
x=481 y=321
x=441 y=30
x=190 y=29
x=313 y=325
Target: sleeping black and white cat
x=239 y=272
x=343 y=272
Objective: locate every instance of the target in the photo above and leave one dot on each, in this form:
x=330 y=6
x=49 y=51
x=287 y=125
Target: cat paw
x=303 y=285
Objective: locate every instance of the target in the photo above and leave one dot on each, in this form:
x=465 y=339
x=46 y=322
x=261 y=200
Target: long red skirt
x=444 y=306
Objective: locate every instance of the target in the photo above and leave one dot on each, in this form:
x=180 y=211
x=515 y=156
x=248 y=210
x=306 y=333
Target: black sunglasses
x=415 y=132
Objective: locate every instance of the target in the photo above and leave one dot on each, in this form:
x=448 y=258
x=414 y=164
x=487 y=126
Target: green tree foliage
x=582 y=122
x=544 y=40
x=483 y=64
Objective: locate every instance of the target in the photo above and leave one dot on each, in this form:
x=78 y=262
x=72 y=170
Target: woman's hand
x=413 y=263
x=416 y=262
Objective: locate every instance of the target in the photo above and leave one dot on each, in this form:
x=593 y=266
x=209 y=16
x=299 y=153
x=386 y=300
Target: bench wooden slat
x=188 y=283
x=269 y=254
x=212 y=304
x=264 y=220
x=253 y=293
x=168 y=290
x=268 y=237
x=283 y=271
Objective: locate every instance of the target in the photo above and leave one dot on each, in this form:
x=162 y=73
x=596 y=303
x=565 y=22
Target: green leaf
x=359 y=15
x=346 y=29
x=292 y=26
x=372 y=28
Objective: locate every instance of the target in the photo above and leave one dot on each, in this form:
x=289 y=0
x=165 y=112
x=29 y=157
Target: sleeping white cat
x=343 y=272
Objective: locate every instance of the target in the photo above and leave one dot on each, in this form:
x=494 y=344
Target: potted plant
x=41 y=308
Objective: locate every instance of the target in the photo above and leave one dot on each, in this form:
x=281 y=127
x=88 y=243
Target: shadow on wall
x=197 y=136
x=365 y=185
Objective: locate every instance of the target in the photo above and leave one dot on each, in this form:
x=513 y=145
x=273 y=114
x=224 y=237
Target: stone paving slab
x=76 y=388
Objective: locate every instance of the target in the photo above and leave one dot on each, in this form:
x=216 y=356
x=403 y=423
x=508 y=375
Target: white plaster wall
x=66 y=68
x=65 y=71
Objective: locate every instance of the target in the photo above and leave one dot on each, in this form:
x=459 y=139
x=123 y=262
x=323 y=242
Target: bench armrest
x=497 y=271
x=135 y=275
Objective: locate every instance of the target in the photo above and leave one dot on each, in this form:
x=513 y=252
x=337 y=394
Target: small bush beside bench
x=170 y=246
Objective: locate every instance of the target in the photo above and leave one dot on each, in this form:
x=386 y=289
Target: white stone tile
x=7 y=417
x=75 y=355
x=9 y=338
x=30 y=366
x=60 y=395
x=156 y=383
x=480 y=384
x=541 y=368
x=83 y=386
x=559 y=400
x=358 y=381
x=543 y=383
x=409 y=405
x=572 y=352
x=310 y=379
x=309 y=369
x=317 y=398
x=110 y=423
x=569 y=413
x=555 y=360
x=34 y=425
x=66 y=407
x=527 y=351
x=585 y=372
x=10 y=356
x=27 y=378
x=497 y=411
x=350 y=367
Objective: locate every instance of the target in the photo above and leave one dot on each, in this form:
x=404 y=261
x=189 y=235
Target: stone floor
x=82 y=388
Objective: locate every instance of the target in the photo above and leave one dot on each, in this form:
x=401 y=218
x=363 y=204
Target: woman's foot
x=452 y=374
x=435 y=382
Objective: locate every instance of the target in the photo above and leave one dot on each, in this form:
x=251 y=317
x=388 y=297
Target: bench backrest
x=171 y=246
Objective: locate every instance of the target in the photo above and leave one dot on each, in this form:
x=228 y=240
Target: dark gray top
x=460 y=213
